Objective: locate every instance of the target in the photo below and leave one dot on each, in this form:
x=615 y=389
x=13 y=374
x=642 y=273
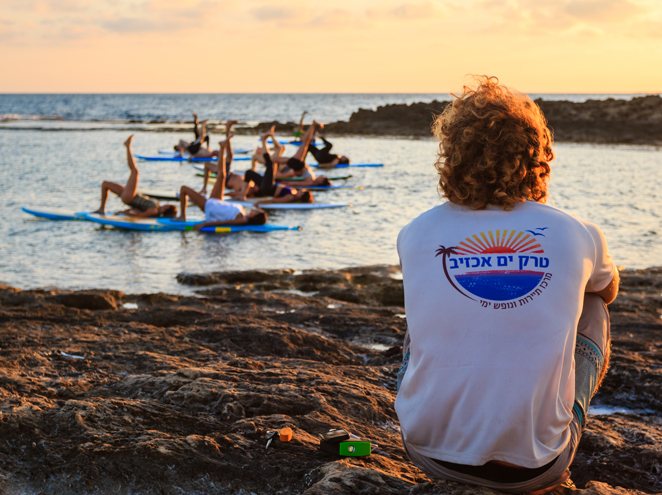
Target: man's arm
x=609 y=293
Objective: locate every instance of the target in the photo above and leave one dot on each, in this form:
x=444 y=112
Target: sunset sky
x=431 y=46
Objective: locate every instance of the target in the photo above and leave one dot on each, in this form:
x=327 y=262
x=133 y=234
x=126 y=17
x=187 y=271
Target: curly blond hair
x=494 y=148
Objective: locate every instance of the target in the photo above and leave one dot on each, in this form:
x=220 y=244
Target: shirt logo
x=500 y=268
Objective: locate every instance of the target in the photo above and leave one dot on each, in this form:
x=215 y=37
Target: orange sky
x=600 y=46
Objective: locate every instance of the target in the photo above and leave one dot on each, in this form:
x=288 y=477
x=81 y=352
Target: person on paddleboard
x=217 y=210
x=323 y=155
x=506 y=300
x=139 y=205
x=232 y=180
x=198 y=148
x=265 y=186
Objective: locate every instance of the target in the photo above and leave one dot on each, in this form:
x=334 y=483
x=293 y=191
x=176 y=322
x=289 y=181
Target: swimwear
x=194 y=147
x=322 y=155
x=143 y=203
x=266 y=183
x=284 y=191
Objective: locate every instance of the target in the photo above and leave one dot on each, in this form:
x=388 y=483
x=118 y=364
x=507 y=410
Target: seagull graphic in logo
x=535 y=232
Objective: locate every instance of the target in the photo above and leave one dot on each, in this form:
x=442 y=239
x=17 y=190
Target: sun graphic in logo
x=499 y=265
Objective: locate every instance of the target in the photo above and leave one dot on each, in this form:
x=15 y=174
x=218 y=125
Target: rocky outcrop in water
x=635 y=121
x=102 y=392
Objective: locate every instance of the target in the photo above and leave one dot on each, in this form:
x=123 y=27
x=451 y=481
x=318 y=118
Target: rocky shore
x=610 y=121
x=102 y=392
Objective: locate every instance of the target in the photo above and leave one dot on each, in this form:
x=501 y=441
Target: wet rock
x=95 y=300
x=177 y=395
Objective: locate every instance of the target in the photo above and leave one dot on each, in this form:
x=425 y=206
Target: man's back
x=493 y=298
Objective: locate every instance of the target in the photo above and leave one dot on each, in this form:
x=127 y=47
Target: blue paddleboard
x=289 y=206
x=171 y=225
x=348 y=165
x=178 y=158
x=239 y=151
x=55 y=214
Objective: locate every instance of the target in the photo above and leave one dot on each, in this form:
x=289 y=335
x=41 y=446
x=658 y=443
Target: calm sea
x=61 y=165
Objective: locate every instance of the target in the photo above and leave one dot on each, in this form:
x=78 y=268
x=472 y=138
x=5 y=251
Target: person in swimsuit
x=196 y=148
x=296 y=160
x=140 y=206
x=324 y=157
x=217 y=211
x=260 y=186
x=295 y=166
x=232 y=180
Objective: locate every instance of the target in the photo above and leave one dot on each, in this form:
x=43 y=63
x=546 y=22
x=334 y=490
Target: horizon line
x=308 y=93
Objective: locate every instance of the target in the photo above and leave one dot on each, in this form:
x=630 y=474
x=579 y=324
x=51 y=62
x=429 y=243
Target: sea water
x=62 y=166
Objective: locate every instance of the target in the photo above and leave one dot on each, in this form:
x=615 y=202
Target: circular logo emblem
x=499 y=265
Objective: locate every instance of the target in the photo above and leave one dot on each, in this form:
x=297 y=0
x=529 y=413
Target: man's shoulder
x=425 y=219
x=558 y=214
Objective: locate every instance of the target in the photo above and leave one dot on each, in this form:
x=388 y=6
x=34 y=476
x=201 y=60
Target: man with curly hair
x=508 y=329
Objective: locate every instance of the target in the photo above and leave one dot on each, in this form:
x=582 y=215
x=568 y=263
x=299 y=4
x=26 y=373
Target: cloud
x=593 y=11
x=51 y=21
x=423 y=10
x=561 y=16
x=274 y=13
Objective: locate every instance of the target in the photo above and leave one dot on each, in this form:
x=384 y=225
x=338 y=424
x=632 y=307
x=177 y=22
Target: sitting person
x=217 y=210
x=506 y=301
x=140 y=206
x=260 y=186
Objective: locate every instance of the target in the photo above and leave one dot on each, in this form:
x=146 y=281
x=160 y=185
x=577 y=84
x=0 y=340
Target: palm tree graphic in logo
x=445 y=252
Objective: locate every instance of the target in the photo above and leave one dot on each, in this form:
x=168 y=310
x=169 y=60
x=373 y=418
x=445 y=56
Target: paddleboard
x=341 y=177
x=177 y=158
x=312 y=188
x=162 y=195
x=213 y=174
x=55 y=214
x=171 y=225
x=289 y=206
x=240 y=151
x=348 y=165
x=324 y=188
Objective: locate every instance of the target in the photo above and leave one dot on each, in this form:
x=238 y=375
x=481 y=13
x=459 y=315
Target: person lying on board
x=140 y=206
x=264 y=186
x=232 y=180
x=323 y=155
x=296 y=160
x=196 y=148
x=297 y=167
x=260 y=150
x=217 y=211
x=183 y=144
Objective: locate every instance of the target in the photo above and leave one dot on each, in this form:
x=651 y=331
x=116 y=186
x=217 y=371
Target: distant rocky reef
x=610 y=121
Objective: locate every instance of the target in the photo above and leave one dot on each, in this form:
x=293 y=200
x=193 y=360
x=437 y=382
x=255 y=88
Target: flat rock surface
x=101 y=392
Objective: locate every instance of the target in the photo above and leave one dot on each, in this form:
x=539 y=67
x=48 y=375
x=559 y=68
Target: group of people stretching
x=291 y=172
x=200 y=148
